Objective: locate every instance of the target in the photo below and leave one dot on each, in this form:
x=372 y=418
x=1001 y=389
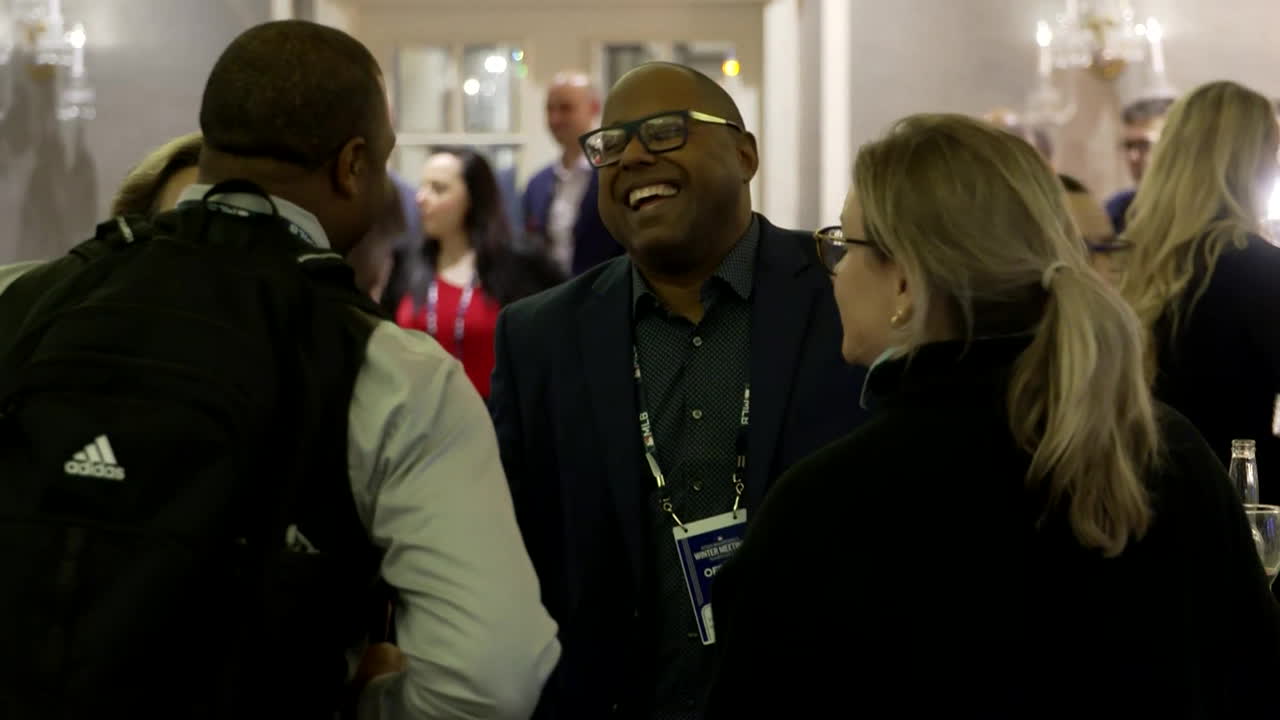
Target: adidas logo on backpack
x=96 y=460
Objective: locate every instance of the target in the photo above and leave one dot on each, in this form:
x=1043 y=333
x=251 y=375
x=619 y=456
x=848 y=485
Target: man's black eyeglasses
x=832 y=246
x=658 y=133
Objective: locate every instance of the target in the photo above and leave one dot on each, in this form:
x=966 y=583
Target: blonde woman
x=1019 y=530
x=1204 y=282
x=155 y=184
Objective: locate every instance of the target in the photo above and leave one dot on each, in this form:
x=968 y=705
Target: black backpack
x=177 y=534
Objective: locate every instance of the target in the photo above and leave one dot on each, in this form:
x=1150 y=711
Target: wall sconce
x=1097 y=34
x=40 y=26
x=1046 y=107
x=55 y=54
x=76 y=101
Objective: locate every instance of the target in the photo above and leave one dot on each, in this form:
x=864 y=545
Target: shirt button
x=697 y=484
x=697 y=414
x=697 y=341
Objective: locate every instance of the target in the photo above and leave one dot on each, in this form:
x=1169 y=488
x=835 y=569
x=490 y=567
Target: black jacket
x=563 y=403
x=1222 y=370
x=900 y=572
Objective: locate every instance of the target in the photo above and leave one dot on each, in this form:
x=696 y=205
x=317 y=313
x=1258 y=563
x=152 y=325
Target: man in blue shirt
x=560 y=214
x=1143 y=121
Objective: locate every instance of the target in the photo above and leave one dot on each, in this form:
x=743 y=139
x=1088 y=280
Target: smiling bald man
x=644 y=408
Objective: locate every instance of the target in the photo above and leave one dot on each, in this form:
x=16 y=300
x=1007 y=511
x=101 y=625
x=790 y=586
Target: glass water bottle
x=1244 y=470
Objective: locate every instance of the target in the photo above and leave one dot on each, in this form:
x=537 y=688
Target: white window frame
x=405 y=139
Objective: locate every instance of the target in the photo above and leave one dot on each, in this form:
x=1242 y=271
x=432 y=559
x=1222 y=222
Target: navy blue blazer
x=592 y=243
x=564 y=406
x=1118 y=208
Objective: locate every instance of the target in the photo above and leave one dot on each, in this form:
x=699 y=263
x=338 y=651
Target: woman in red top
x=454 y=284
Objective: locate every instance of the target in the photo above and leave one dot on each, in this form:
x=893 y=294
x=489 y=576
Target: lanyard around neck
x=459 y=317
x=651 y=447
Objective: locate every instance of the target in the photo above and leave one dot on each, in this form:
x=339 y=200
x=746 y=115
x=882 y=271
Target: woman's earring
x=900 y=319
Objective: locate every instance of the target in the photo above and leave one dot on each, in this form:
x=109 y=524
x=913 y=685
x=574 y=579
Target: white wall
x=969 y=56
x=1223 y=40
x=779 y=139
x=808 y=183
x=148 y=61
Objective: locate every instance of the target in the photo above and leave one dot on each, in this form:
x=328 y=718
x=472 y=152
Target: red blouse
x=477 y=329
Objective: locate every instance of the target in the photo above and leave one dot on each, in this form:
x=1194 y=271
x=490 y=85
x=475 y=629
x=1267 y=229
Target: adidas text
x=94 y=469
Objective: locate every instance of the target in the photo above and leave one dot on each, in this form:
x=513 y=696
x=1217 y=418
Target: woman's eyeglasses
x=660 y=133
x=832 y=246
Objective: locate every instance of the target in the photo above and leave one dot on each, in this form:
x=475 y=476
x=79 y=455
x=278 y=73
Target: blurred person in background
x=1143 y=122
x=396 y=230
x=464 y=269
x=1203 y=280
x=1106 y=254
x=155 y=184
x=560 y=213
x=1009 y=121
x=1025 y=532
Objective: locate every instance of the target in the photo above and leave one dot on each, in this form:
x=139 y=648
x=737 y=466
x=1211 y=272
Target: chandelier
x=1101 y=35
x=55 y=54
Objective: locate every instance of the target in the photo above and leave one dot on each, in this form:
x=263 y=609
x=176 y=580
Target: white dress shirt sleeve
x=10 y=273
x=430 y=488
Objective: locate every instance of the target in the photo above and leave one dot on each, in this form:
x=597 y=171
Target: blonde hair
x=141 y=187
x=1205 y=189
x=978 y=223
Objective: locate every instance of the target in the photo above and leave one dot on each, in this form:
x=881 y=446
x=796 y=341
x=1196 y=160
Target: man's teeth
x=639 y=195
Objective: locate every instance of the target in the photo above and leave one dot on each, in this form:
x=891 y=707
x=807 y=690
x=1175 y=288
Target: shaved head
x=572 y=107
x=712 y=98
x=707 y=207
x=572 y=79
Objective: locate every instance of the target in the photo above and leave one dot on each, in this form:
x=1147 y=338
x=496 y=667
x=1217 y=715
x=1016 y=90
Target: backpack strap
x=109 y=237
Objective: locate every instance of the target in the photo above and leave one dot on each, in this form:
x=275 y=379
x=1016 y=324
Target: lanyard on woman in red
x=459 y=317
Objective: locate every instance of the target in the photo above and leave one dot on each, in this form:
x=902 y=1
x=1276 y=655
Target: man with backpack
x=213 y=451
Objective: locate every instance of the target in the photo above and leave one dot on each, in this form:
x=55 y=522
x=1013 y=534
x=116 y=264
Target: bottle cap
x=1243 y=447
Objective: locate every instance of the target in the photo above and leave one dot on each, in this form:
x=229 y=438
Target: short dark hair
x=293 y=91
x=1071 y=184
x=1141 y=112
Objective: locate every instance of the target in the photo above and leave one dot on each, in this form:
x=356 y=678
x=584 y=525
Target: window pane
x=619 y=59
x=705 y=57
x=425 y=79
x=492 y=76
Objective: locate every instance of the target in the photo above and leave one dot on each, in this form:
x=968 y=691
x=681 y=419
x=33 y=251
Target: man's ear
x=352 y=164
x=748 y=155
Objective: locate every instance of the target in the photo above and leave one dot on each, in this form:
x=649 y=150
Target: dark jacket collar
x=944 y=368
x=787 y=284
x=737 y=270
